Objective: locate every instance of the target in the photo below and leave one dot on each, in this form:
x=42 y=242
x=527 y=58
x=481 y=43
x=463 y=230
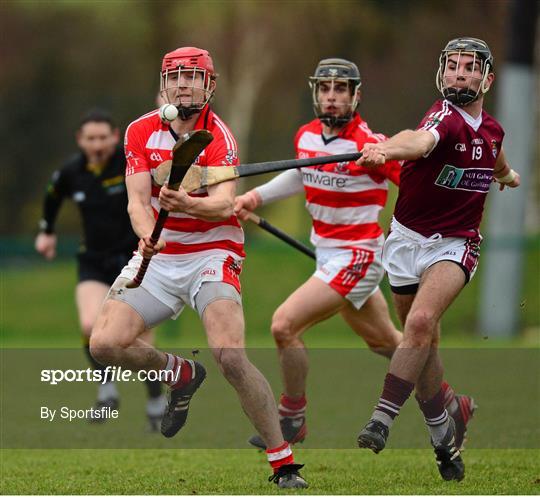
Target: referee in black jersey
x=94 y=179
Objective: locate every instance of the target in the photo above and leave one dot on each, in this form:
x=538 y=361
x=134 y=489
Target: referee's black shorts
x=100 y=267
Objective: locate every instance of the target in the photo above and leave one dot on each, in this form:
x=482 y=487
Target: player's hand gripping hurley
x=184 y=153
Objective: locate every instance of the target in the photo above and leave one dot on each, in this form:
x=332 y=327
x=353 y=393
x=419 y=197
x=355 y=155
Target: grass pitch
x=191 y=472
x=38 y=311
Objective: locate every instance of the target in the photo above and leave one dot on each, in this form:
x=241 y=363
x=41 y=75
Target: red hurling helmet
x=186 y=64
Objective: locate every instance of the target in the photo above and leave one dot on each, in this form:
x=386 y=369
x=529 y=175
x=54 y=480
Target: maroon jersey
x=445 y=191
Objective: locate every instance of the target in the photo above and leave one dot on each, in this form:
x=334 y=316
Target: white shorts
x=176 y=280
x=407 y=255
x=353 y=272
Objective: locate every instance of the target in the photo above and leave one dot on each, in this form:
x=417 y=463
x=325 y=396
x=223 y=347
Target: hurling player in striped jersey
x=344 y=201
x=432 y=252
x=196 y=262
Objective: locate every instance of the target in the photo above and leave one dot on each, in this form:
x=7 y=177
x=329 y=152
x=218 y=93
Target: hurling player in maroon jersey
x=344 y=201
x=433 y=248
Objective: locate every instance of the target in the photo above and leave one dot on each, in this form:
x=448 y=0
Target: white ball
x=168 y=112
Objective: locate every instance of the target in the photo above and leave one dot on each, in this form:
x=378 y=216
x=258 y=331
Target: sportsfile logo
x=54 y=377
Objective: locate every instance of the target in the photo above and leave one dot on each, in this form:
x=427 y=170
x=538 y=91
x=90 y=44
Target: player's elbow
x=134 y=207
x=423 y=142
x=131 y=208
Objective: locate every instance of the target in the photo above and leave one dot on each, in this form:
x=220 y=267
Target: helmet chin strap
x=184 y=113
x=460 y=96
x=335 y=121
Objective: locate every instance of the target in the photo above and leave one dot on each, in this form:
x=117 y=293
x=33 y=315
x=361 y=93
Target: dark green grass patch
x=188 y=472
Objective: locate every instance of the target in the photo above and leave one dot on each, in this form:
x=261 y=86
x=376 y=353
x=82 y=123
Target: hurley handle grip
x=154 y=237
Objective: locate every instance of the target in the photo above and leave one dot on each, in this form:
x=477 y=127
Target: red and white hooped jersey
x=344 y=199
x=148 y=142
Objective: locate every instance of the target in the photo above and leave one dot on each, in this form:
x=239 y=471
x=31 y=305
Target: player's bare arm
x=218 y=206
x=140 y=212
x=504 y=174
x=406 y=145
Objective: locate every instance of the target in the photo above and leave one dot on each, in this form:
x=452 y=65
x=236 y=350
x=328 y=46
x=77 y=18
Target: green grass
x=181 y=472
x=38 y=311
x=38 y=306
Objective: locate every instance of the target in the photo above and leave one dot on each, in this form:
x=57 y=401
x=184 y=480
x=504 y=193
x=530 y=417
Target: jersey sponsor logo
x=208 y=271
x=461 y=147
x=477 y=141
x=471 y=179
x=315 y=178
x=156 y=156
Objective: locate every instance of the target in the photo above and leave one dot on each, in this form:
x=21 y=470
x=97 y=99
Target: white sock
x=383 y=417
x=437 y=432
x=156 y=406
x=107 y=391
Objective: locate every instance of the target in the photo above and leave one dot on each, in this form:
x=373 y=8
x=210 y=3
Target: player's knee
x=102 y=349
x=420 y=327
x=107 y=349
x=231 y=363
x=282 y=329
x=384 y=345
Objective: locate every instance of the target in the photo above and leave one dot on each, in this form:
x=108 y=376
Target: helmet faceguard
x=335 y=70
x=453 y=52
x=187 y=80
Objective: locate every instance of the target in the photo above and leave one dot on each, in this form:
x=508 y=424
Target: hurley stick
x=184 y=153
x=280 y=234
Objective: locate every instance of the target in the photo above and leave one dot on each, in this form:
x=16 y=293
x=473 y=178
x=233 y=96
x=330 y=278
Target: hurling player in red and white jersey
x=196 y=262
x=344 y=201
x=433 y=248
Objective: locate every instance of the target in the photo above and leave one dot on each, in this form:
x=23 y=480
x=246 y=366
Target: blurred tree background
x=60 y=58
